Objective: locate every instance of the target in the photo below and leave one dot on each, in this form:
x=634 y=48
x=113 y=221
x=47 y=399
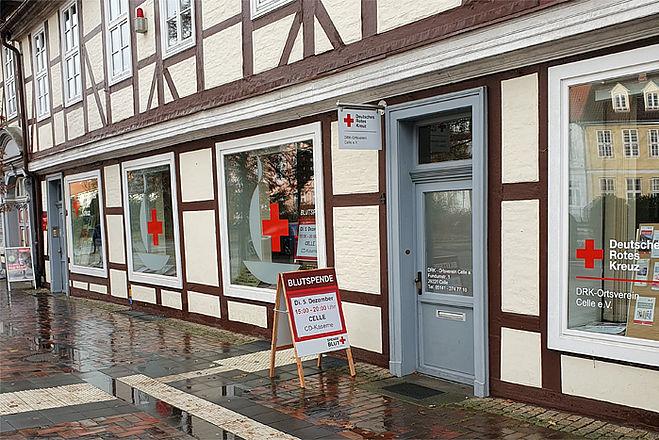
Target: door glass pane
x=448 y=256
x=446 y=138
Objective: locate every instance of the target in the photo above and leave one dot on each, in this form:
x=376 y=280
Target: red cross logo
x=342 y=340
x=348 y=120
x=275 y=227
x=154 y=227
x=76 y=206
x=589 y=254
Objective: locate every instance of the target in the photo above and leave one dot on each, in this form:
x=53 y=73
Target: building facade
x=503 y=236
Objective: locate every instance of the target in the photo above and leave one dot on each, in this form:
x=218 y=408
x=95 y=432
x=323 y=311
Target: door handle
x=417 y=280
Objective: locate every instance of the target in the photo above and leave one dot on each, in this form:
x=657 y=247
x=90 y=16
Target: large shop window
x=271 y=193
x=604 y=250
x=85 y=229
x=151 y=215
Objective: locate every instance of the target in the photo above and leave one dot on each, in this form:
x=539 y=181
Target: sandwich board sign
x=310 y=299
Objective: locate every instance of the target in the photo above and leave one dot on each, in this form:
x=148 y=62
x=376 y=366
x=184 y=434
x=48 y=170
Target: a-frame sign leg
x=319 y=364
x=351 y=364
x=275 y=322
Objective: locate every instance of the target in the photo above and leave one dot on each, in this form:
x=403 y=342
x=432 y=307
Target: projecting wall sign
x=360 y=127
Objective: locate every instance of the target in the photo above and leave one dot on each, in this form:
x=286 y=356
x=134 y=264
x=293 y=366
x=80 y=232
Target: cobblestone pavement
x=73 y=368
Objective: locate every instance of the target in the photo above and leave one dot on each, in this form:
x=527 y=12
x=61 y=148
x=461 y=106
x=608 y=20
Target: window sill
x=73 y=102
x=180 y=47
x=90 y=271
x=112 y=81
x=155 y=280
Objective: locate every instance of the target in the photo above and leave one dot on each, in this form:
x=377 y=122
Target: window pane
x=151 y=221
x=116 y=63
x=185 y=4
x=85 y=218
x=171 y=9
x=186 y=25
x=448 y=138
x=613 y=277
x=172 y=36
x=270 y=213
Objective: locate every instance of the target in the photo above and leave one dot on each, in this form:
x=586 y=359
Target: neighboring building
x=179 y=165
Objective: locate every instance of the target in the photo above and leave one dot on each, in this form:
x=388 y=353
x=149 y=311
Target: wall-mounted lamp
x=140 y=21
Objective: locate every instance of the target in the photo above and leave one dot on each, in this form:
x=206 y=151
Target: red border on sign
x=315 y=291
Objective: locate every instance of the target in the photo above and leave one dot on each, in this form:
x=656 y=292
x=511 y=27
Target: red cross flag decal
x=275 y=227
x=348 y=120
x=76 y=206
x=589 y=254
x=154 y=227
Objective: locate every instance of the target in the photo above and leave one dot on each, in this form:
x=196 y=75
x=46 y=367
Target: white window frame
x=10 y=82
x=66 y=55
x=296 y=134
x=604 y=145
x=181 y=45
x=652 y=100
x=91 y=271
x=559 y=337
x=628 y=144
x=654 y=186
x=262 y=7
x=621 y=102
x=653 y=144
x=110 y=25
x=607 y=186
x=148 y=278
x=41 y=75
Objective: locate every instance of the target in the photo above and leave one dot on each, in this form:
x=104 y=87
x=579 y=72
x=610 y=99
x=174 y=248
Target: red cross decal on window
x=154 y=227
x=342 y=340
x=275 y=227
x=589 y=254
x=348 y=120
x=76 y=206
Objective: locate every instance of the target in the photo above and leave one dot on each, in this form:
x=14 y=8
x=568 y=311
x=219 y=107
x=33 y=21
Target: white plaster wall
x=200 y=245
x=297 y=52
x=98 y=288
x=321 y=41
x=196 y=175
x=521 y=359
x=58 y=121
x=357 y=248
x=122 y=104
x=80 y=285
x=204 y=304
x=268 y=43
x=112 y=176
x=91 y=13
x=145 y=78
x=56 y=84
x=146 y=43
x=620 y=384
x=27 y=59
x=94 y=117
x=53 y=38
x=364 y=326
x=44 y=197
x=353 y=171
x=168 y=97
x=395 y=13
x=520 y=257
x=75 y=123
x=214 y=12
x=118 y=286
x=47 y=269
x=247 y=313
x=28 y=99
x=171 y=299
x=115 y=231
x=519 y=129
x=223 y=62
x=346 y=16
x=184 y=75
x=95 y=51
x=45 y=241
x=143 y=293
x=45 y=136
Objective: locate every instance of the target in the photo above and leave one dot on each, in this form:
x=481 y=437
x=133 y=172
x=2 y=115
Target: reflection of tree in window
x=85 y=217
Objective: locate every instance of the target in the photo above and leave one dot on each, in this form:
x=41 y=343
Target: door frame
x=402 y=174
x=51 y=211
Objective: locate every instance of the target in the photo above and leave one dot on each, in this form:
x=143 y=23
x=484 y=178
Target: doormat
x=412 y=390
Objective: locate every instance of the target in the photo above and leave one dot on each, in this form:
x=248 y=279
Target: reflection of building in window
x=633 y=187
x=574 y=195
x=651 y=94
x=604 y=145
x=607 y=186
x=620 y=97
x=653 y=142
x=655 y=186
x=630 y=143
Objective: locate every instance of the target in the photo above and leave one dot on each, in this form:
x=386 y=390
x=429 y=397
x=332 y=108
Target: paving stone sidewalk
x=50 y=341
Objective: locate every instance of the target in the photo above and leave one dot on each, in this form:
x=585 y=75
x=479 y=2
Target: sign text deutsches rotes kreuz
x=359 y=129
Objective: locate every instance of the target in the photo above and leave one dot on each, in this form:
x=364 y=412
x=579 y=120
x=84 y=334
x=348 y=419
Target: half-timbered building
x=187 y=151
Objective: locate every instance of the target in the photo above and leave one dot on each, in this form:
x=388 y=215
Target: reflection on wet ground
x=48 y=341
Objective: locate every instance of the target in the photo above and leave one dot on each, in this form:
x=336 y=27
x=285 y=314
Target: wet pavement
x=72 y=368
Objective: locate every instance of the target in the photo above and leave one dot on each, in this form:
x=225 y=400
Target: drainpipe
x=34 y=187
